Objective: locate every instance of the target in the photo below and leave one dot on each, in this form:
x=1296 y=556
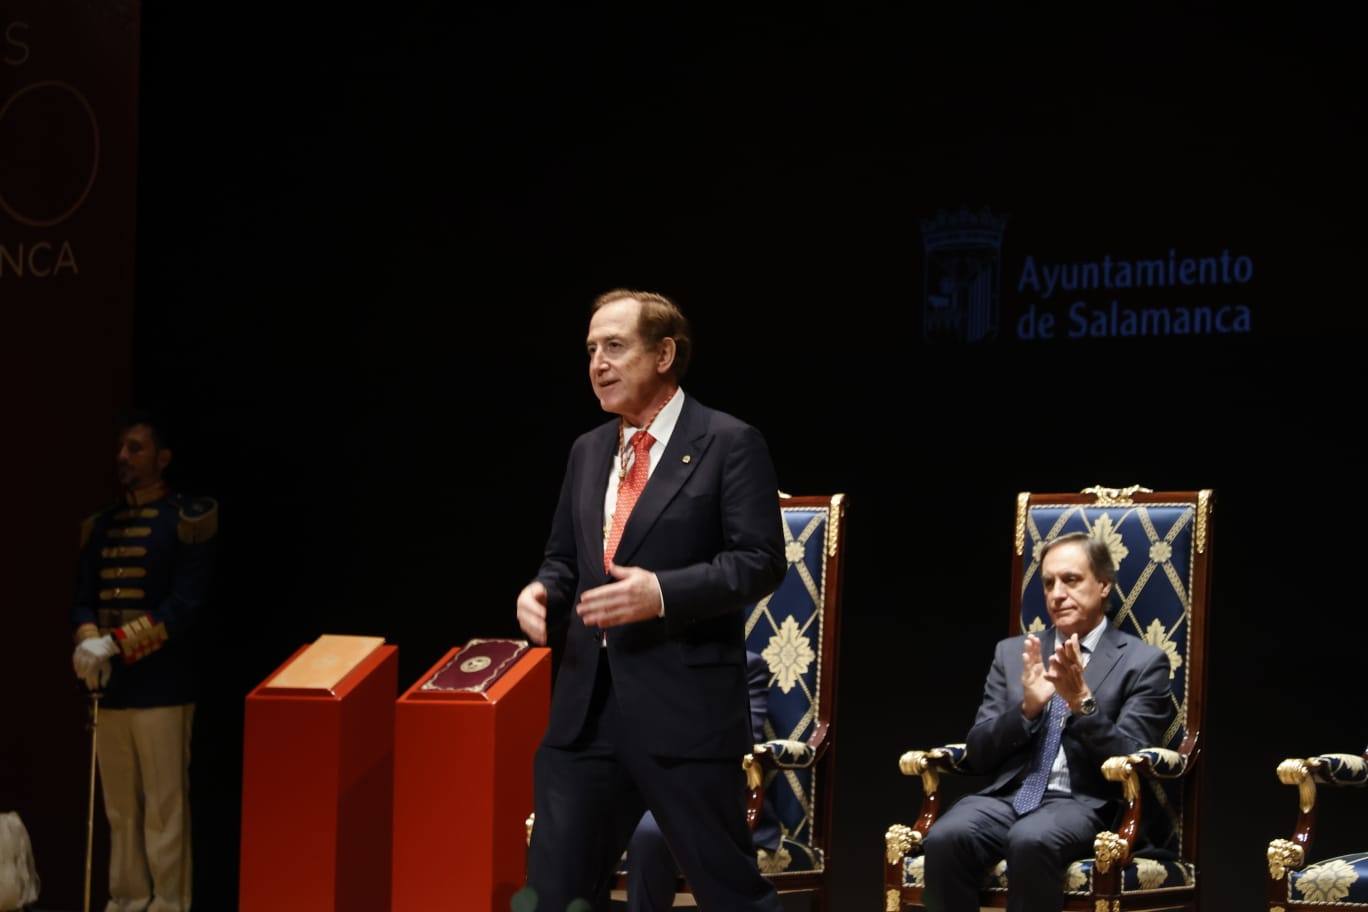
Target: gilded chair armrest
x=785 y=754
x=929 y=765
x=1112 y=848
x=782 y=753
x=1290 y=854
x=901 y=840
x=1338 y=769
x=1324 y=769
x=1158 y=763
x=778 y=754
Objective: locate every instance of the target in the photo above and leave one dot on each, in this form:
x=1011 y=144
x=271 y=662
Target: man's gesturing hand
x=532 y=612
x=1036 y=687
x=634 y=597
x=1066 y=673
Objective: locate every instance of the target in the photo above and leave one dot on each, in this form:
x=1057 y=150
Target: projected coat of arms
x=962 y=275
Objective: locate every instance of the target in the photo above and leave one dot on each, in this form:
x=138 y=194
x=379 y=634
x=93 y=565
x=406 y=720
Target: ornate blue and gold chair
x=796 y=630
x=1335 y=883
x=1161 y=545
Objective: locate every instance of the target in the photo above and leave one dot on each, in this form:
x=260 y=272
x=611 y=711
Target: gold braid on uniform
x=139 y=638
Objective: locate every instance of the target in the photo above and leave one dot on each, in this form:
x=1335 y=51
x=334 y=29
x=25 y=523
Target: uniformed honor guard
x=141 y=586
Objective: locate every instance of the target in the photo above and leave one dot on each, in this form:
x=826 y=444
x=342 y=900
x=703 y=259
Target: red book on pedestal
x=465 y=734
x=317 y=775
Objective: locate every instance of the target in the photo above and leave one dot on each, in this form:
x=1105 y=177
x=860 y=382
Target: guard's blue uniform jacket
x=143 y=577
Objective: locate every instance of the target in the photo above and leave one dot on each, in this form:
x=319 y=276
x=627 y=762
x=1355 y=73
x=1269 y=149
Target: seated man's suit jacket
x=1128 y=677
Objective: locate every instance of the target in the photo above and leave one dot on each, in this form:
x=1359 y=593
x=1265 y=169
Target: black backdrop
x=367 y=244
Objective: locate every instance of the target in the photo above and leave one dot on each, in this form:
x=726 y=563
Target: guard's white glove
x=91 y=660
x=88 y=670
x=99 y=648
x=99 y=677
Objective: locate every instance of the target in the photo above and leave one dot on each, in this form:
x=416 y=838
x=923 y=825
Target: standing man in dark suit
x=666 y=528
x=1043 y=734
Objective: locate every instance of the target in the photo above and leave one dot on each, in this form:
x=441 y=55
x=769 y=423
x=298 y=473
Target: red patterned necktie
x=629 y=489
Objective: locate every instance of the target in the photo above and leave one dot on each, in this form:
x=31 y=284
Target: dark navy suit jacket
x=708 y=525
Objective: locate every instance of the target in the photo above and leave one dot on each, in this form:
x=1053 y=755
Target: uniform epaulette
x=198 y=520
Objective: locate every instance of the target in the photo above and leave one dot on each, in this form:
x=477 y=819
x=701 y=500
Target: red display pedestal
x=463 y=789
x=317 y=775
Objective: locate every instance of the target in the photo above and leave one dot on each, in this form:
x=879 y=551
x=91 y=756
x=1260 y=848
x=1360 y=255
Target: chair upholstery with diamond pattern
x=796 y=630
x=1161 y=544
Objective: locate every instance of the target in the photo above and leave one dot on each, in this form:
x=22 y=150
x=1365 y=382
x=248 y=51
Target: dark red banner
x=68 y=131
